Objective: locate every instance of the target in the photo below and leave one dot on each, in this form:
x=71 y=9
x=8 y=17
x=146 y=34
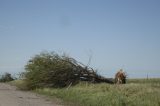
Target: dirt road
x=10 y=96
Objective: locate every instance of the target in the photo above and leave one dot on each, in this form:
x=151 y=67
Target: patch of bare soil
x=10 y=96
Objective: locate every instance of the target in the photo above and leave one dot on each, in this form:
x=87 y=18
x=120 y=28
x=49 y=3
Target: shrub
x=50 y=70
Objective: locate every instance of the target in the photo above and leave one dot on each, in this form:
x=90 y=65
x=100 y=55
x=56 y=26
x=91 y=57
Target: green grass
x=137 y=92
x=19 y=84
x=145 y=81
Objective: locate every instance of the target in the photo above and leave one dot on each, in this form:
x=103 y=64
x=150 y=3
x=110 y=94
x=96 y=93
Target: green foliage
x=20 y=84
x=6 y=77
x=49 y=70
x=131 y=94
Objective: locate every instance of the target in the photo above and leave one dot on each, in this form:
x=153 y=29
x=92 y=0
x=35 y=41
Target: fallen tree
x=53 y=70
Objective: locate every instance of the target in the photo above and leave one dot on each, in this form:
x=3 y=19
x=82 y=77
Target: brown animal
x=120 y=77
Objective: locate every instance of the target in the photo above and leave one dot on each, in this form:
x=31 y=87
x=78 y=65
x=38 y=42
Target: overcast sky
x=117 y=33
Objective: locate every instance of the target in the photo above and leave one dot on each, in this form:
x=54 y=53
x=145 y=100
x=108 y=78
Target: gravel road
x=10 y=96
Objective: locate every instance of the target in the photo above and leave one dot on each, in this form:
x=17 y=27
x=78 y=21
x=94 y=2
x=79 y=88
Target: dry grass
x=135 y=93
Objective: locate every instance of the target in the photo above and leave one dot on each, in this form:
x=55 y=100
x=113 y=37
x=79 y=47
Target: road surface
x=10 y=96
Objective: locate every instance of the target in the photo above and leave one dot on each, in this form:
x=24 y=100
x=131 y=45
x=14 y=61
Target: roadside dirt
x=10 y=96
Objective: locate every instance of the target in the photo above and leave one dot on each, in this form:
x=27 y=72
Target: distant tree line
x=6 y=77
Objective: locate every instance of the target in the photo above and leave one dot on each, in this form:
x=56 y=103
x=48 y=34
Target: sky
x=115 y=33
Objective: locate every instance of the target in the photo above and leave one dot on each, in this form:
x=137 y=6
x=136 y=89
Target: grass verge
x=132 y=94
x=138 y=92
x=20 y=84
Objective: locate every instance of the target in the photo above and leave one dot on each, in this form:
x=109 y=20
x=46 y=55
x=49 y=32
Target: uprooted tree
x=53 y=70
